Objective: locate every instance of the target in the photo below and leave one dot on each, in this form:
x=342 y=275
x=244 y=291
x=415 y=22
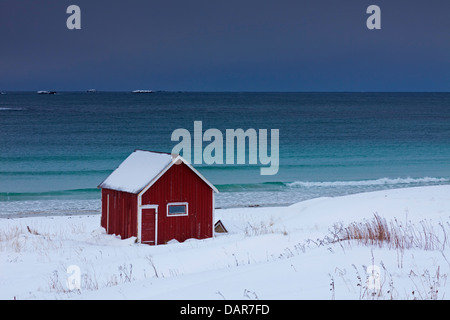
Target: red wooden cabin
x=157 y=197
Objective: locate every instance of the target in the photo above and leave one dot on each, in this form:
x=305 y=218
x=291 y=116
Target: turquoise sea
x=56 y=149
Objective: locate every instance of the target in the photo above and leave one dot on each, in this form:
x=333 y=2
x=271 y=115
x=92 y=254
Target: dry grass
x=393 y=234
x=10 y=238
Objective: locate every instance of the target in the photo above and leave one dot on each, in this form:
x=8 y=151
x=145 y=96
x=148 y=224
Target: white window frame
x=177 y=204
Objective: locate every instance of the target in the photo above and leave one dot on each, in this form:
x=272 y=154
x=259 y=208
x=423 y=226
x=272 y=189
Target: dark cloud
x=225 y=45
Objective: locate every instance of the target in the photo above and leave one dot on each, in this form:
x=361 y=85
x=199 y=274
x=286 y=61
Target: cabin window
x=177 y=209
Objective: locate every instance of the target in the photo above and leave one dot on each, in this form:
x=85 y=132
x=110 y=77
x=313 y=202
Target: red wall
x=122 y=213
x=181 y=184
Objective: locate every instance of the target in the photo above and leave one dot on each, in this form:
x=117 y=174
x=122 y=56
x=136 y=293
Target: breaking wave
x=11 y=109
x=376 y=182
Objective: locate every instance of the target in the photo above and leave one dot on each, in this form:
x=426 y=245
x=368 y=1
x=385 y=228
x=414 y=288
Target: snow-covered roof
x=136 y=171
x=141 y=169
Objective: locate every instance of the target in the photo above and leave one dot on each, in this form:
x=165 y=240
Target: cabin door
x=149 y=226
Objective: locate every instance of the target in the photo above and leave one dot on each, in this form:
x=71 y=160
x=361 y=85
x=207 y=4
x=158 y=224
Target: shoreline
x=68 y=213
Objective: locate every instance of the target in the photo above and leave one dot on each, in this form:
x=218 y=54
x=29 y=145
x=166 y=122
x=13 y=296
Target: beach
x=290 y=252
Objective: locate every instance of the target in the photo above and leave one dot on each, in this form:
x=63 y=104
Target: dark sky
x=233 y=45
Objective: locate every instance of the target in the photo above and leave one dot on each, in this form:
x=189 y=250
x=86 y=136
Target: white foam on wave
x=376 y=182
x=11 y=109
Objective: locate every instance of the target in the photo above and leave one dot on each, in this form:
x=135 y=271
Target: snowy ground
x=269 y=253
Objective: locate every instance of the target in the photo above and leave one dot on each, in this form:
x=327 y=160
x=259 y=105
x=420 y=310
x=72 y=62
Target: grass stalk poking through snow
x=379 y=232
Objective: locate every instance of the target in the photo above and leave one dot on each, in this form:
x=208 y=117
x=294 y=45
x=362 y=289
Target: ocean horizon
x=56 y=149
